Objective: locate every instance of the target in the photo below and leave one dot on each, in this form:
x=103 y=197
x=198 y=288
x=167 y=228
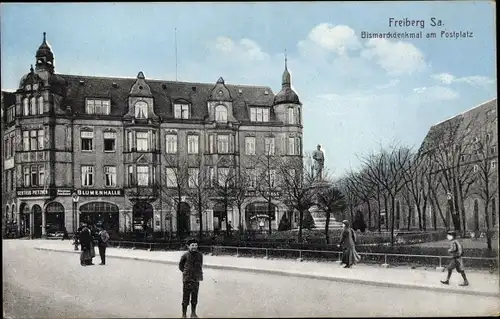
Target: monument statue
x=319 y=162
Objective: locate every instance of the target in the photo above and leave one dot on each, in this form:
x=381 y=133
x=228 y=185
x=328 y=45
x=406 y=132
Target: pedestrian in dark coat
x=191 y=266
x=85 y=238
x=456 y=262
x=102 y=244
x=348 y=245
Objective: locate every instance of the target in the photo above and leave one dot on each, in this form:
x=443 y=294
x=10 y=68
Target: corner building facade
x=116 y=143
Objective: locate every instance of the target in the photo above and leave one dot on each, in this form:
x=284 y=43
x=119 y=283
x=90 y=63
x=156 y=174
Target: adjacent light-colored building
x=113 y=142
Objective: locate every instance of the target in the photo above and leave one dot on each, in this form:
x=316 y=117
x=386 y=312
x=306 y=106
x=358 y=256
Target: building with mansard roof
x=107 y=150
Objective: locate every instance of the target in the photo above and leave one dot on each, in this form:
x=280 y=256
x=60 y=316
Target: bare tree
x=223 y=188
x=386 y=171
x=485 y=169
x=240 y=194
x=267 y=183
x=174 y=179
x=297 y=186
x=331 y=200
x=198 y=190
x=363 y=189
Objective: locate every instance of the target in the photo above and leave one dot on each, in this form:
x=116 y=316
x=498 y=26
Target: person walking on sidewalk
x=102 y=244
x=456 y=262
x=191 y=266
x=348 y=245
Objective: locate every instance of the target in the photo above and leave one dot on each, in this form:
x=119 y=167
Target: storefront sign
x=99 y=192
x=267 y=193
x=63 y=192
x=29 y=192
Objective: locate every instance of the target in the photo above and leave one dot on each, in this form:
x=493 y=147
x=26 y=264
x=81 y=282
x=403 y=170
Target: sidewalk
x=481 y=282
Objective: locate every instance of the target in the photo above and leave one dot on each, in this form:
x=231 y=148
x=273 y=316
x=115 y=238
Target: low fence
x=315 y=255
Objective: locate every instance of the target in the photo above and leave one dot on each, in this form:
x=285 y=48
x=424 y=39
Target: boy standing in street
x=456 y=252
x=192 y=273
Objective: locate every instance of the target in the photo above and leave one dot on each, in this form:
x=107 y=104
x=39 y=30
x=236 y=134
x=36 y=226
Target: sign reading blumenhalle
x=99 y=192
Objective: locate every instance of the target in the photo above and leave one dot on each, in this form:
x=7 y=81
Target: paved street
x=53 y=285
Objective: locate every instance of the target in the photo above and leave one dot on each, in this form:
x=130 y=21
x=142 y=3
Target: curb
x=303 y=275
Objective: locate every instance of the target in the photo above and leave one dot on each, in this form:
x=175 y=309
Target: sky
x=358 y=94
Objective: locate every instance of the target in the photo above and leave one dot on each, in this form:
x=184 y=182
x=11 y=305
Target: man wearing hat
x=192 y=273
x=456 y=262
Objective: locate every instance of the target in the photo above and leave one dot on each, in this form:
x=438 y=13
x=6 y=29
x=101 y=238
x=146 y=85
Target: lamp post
x=449 y=196
x=76 y=198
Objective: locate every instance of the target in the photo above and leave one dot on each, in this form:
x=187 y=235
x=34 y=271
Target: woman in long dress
x=85 y=239
x=348 y=244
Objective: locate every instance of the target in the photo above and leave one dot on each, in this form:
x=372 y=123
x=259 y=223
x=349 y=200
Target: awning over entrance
x=100 y=207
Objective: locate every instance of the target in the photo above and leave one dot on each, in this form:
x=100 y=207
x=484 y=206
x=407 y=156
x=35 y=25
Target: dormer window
x=26 y=108
x=141 y=110
x=259 y=114
x=181 y=111
x=98 y=106
x=291 y=116
x=221 y=113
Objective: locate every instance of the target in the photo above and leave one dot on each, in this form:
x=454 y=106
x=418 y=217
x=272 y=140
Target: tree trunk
x=327 y=225
x=301 y=217
x=487 y=221
x=379 y=212
x=409 y=217
x=424 y=210
x=200 y=216
x=419 y=219
x=369 y=215
x=386 y=214
x=456 y=211
x=227 y=218
x=270 y=215
x=392 y=219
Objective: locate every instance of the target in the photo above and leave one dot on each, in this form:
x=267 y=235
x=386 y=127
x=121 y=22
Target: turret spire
x=44 y=37
x=286 y=61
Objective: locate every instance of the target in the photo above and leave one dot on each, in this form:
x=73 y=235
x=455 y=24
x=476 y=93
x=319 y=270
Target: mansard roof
x=164 y=93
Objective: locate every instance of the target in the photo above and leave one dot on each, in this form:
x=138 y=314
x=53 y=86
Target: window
x=141 y=110
x=41 y=175
x=13 y=144
x=26 y=140
x=98 y=106
x=493 y=149
x=250 y=145
x=110 y=175
x=181 y=111
x=298 y=115
x=131 y=175
x=171 y=178
x=298 y=145
x=271 y=177
x=26 y=176
x=11 y=114
x=291 y=146
x=193 y=177
x=8 y=179
x=109 y=141
x=171 y=144
x=142 y=141
x=34 y=176
x=40 y=105
x=222 y=175
x=493 y=164
x=33 y=140
x=40 y=139
x=33 y=106
x=291 y=116
x=13 y=178
x=143 y=175
x=87 y=140
x=223 y=144
x=87 y=175
x=26 y=108
x=192 y=144
x=269 y=146
x=7 y=148
x=475 y=168
x=221 y=113
x=211 y=176
x=130 y=137
x=252 y=177
x=259 y=114
x=211 y=144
